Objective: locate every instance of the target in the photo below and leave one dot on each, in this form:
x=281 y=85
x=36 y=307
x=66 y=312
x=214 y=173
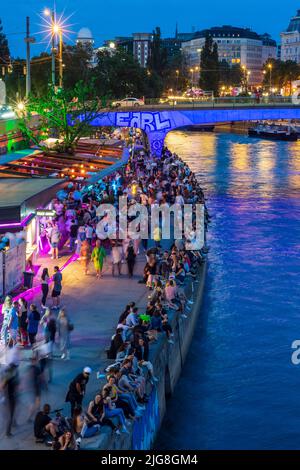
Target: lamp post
x=177 y=76
x=51 y=14
x=270 y=70
x=28 y=40
x=192 y=73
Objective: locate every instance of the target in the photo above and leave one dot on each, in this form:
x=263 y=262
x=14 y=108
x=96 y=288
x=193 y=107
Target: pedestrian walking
x=85 y=255
x=77 y=389
x=116 y=254
x=64 y=329
x=57 y=287
x=9 y=387
x=98 y=256
x=130 y=258
x=45 y=286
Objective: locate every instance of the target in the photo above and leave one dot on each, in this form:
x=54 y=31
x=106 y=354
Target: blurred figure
x=6 y=309
x=35 y=375
x=9 y=387
x=64 y=329
x=85 y=255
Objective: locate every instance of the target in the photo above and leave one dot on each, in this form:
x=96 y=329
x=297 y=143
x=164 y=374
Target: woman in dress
x=64 y=328
x=98 y=256
x=85 y=255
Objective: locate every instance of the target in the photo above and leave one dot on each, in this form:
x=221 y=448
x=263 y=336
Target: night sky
x=109 y=18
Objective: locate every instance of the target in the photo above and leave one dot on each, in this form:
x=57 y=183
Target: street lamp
x=51 y=15
x=57 y=31
x=270 y=69
x=192 y=72
x=177 y=76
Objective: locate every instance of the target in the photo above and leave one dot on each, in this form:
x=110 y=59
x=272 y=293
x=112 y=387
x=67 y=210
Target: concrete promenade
x=94 y=306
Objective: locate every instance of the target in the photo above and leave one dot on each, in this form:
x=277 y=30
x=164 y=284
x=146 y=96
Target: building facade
x=290 y=40
x=142 y=47
x=235 y=46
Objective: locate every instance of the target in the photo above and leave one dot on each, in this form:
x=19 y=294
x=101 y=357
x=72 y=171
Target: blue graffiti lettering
x=122 y=119
x=144 y=120
x=161 y=125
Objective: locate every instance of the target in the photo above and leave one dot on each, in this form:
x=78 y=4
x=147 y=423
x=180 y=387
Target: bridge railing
x=228 y=102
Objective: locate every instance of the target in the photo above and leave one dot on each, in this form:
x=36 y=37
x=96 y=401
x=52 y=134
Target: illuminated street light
x=270 y=69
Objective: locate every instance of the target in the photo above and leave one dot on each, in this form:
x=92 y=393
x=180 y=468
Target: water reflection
x=239 y=389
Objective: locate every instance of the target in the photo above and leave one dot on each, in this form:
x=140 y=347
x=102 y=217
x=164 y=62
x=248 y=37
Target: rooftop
x=14 y=191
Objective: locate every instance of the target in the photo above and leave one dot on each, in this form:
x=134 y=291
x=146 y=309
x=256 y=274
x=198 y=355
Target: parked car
x=128 y=103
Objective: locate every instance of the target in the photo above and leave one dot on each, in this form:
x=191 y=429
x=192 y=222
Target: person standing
x=14 y=323
x=22 y=314
x=77 y=389
x=34 y=318
x=85 y=255
x=54 y=240
x=130 y=258
x=89 y=232
x=73 y=234
x=98 y=256
x=57 y=287
x=45 y=286
x=64 y=329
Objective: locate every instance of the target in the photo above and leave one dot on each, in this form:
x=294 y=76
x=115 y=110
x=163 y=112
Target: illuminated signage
x=45 y=212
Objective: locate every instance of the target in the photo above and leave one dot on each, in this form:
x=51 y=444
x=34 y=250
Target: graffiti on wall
x=145 y=428
x=147 y=121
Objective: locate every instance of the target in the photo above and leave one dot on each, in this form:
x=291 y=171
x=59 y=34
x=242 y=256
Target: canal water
x=239 y=388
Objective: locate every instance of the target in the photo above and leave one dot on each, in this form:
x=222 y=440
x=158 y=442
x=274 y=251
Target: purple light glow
x=17 y=224
x=29 y=294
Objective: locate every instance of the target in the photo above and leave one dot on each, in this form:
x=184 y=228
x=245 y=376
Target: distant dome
x=84 y=35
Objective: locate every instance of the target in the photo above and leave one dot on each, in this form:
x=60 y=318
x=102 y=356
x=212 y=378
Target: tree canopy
x=62 y=114
x=4 y=49
x=209 y=66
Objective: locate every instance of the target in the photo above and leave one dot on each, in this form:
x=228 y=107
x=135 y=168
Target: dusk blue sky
x=109 y=18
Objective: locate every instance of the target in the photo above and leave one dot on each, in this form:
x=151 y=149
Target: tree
x=40 y=74
x=209 y=66
x=62 y=114
x=158 y=60
x=230 y=75
x=4 y=49
x=77 y=64
x=119 y=75
x=280 y=74
x=15 y=80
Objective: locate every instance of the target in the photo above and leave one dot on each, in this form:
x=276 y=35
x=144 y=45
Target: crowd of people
x=168 y=267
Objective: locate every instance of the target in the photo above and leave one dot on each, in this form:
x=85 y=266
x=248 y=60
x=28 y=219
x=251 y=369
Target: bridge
x=157 y=120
